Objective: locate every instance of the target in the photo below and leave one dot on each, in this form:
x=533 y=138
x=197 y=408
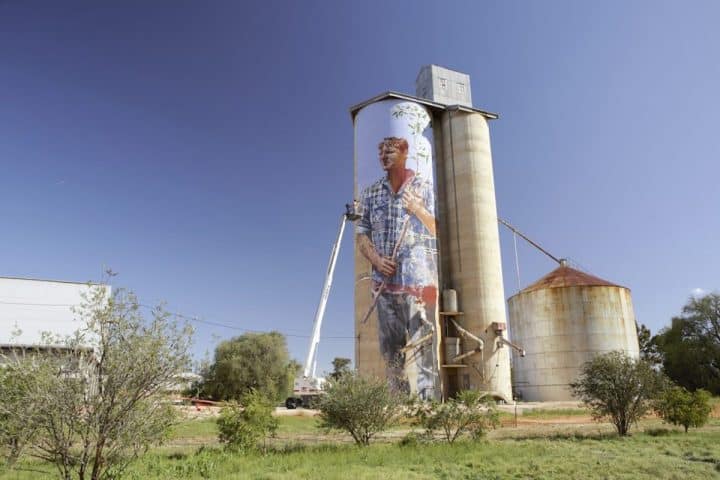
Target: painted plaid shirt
x=382 y=219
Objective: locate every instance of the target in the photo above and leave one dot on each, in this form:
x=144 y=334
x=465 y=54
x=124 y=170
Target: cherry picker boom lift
x=308 y=386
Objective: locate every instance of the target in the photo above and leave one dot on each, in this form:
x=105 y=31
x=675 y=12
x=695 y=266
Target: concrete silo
x=467 y=339
x=562 y=321
x=471 y=262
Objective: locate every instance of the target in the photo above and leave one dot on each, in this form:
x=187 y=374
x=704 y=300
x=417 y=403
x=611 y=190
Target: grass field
x=555 y=412
x=549 y=451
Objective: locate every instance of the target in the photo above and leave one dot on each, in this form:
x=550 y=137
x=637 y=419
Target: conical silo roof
x=564 y=276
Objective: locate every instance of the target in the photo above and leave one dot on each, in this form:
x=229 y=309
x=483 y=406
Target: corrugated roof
x=564 y=276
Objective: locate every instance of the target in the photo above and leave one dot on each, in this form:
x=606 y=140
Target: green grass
x=298 y=426
x=555 y=412
x=670 y=455
x=207 y=428
x=642 y=456
x=194 y=428
x=654 y=451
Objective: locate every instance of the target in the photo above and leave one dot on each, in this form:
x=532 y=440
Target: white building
x=29 y=307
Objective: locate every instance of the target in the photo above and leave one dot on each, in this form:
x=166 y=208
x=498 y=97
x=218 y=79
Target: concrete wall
x=407 y=349
x=470 y=246
x=444 y=86
x=562 y=328
x=36 y=306
x=368 y=359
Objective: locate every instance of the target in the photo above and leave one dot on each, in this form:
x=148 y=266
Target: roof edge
x=429 y=103
x=577 y=278
x=52 y=281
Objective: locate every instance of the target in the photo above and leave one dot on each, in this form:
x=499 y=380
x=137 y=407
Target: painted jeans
x=404 y=318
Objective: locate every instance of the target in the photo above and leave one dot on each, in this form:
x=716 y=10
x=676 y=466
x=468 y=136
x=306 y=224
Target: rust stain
x=568 y=277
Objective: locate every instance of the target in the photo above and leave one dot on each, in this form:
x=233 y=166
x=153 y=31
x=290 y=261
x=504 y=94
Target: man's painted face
x=392 y=154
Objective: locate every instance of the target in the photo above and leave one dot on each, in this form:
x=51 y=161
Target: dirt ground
x=577 y=420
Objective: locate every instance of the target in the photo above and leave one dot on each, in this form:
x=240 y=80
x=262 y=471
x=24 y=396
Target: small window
x=460 y=89
x=443 y=83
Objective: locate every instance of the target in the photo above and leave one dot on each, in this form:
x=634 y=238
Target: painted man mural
x=396 y=234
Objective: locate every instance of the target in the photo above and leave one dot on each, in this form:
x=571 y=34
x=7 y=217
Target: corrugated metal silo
x=563 y=320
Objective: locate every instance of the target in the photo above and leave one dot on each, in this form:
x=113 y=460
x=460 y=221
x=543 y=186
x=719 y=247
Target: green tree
x=648 y=347
x=470 y=412
x=19 y=381
x=341 y=366
x=243 y=426
x=92 y=410
x=618 y=387
x=681 y=407
x=690 y=347
x=359 y=405
x=253 y=361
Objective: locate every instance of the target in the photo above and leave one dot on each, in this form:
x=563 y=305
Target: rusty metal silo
x=562 y=321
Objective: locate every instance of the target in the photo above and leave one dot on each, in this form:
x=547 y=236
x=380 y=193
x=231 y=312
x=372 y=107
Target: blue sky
x=203 y=150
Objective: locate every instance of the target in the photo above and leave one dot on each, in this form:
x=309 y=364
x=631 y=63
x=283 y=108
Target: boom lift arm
x=308 y=385
x=311 y=360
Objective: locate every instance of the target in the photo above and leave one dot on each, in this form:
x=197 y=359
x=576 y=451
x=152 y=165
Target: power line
x=233 y=327
x=189 y=318
x=39 y=304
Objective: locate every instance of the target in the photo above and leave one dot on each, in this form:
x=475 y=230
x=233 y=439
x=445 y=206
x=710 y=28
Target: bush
x=252 y=361
x=470 y=412
x=619 y=387
x=91 y=411
x=412 y=439
x=681 y=407
x=361 y=406
x=242 y=428
x=19 y=406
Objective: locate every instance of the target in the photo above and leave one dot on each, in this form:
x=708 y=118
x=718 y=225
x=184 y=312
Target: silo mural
x=396 y=254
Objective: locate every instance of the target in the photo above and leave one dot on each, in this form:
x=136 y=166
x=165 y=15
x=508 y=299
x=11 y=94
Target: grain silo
x=445 y=239
x=562 y=321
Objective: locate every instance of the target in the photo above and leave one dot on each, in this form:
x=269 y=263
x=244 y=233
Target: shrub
x=470 y=412
x=619 y=387
x=681 y=407
x=242 y=428
x=411 y=439
x=252 y=361
x=91 y=411
x=361 y=406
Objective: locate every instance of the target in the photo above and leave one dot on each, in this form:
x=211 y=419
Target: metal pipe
x=466 y=354
x=464 y=332
x=507 y=342
x=524 y=237
x=416 y=343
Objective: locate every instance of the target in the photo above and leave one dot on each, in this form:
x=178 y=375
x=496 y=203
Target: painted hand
x=412 y=202
x=385 y=266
